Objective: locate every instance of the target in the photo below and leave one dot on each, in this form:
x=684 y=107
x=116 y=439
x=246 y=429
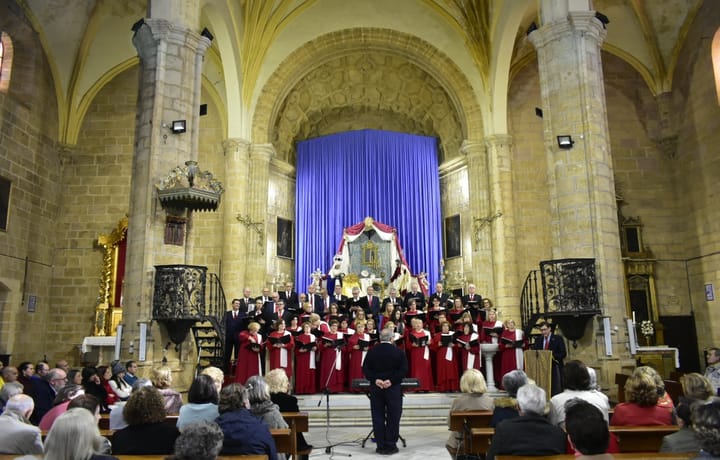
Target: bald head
x=20 y=404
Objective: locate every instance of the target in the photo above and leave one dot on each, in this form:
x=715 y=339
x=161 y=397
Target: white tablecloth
x=101 y=341
x=662 y=349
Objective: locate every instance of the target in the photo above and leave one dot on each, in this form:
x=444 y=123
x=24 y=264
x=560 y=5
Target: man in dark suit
x=392 y=298
x=315 y=299
x=247 y=303
x=45 y=391
x=556 y=344
x=290 y=297
x=439 y=294
x=280 y=314
x=373 y=302
x=385 y=366
x=235 y=320
x=338 y=297
x=355 y=303
x=531 y=433
x=473 y=301
x=415 y=293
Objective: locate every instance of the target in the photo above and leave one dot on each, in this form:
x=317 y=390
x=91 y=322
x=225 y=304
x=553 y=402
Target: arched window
x=6 y=55
x=716 y=62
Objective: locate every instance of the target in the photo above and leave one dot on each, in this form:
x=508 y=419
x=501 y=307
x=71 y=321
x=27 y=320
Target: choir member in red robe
x=469 y=348
x=417 y=343
x=305 y=361
x=492 y=329
x=446 y=359
x=358 y=346
x=511 y=347
x=248 y=363
x=433 y=312
x=332 y=367
x=455 y=314
x=281 y=350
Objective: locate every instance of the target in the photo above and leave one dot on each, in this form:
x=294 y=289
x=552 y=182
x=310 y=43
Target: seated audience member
x=17 y=435
x=60 y=404
x=75 y=435
x=75 y=376
x=45 y=389
x=198 y=441
x=9 y=374
x=243 y=433
x=473 y=397
x=117 y=420
x=91 y=384
x=202 y=403
x=706 y=423
x=279 y=387
x=684 y=440
x=506 y=407
x=261 y=406
x=576 y=384
x=9 y=390
x=712 y=371
x=641 y=408
x=130 y=373
x=105 y=374
x=531 y=433
x=117 y=382
x=697 y=387
x=217 y=375
x=146 y=433
x=587 y=429
x=162 y=380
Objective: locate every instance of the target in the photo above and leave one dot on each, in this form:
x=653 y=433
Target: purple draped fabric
x=343 y=178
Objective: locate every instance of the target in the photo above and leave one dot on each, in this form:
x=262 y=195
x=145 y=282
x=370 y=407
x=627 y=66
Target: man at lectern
x=556 y=344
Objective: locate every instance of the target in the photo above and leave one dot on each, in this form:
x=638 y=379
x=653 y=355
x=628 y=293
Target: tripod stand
x=326 y=393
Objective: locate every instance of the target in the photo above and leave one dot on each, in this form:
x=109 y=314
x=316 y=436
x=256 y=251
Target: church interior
x=566 y=130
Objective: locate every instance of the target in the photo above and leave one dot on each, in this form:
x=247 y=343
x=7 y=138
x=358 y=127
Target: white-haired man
x=19 y=437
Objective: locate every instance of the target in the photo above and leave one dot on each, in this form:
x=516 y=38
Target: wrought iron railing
x=530 y=298
x=215 y=304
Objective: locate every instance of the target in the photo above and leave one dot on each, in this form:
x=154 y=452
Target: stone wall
x=29 y=158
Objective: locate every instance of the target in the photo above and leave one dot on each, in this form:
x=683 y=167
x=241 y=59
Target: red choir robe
x=248 y=363
x=332 y=365
x=305 y=365
x=453 y=316
x=356 y=357
x=419 y=362
x=469 y=358
x=446 y=363
x=281 y=357
x=511 y=355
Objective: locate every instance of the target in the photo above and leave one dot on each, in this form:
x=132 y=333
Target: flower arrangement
x=646 y=328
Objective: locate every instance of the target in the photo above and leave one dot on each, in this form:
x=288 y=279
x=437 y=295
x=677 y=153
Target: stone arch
x=418 y=57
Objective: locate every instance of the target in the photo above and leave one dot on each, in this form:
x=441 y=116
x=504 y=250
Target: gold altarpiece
x=108 y=311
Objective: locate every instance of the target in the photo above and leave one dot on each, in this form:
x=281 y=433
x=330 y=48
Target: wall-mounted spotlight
x=207 y=34
x=565 y=141
x=602 y=18
x=532 y=28
x=178 y=126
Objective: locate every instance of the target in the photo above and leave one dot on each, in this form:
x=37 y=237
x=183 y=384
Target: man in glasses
x=45 y=391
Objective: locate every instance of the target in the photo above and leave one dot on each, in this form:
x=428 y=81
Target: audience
x=261 y=406
x=279 y=387
x=147 y=432
x=75 y=435
x=684 y=440
x=60 y=404
x=117 y=420
x=162 y=380
x=105 y=374
x=697 y=387
x=75 y=376
x=45 y=389
x=9 y=390
x=576 y=384
x=473 y=397
x=130 y=373
x=641 y=408
x=217 y=375
x=91 y=384
x=506 y=407
x=706 y=423
x=18 y=435
x=199 y=441
x=202 y=403
x=587 y=429
x=117 y=382
x=530 y=433
x=244 y=433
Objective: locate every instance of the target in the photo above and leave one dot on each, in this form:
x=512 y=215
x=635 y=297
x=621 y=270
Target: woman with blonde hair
x=473 y=397
x=641 y=408
x=75 y=436
x=696 y=386
x=279 y=387
x=162 y=380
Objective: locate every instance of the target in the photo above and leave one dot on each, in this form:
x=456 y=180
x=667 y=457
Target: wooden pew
x=299 y=423
x=479 y=440
x=104 y=422
x=284 y=440
x=642 y=438
x=620 y=456
x=464 y=421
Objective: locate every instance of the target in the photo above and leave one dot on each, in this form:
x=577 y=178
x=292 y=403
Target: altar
x=662 y=358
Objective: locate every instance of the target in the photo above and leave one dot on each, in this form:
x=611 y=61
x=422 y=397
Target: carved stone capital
x=236 y=146
x=472 y=149
x=579 y=23
x=263 y=152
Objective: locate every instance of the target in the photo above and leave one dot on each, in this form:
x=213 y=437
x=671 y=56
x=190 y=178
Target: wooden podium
x=538 y=366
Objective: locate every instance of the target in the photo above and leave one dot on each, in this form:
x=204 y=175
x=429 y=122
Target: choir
x=326 y=353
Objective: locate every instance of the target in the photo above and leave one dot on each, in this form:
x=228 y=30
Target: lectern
x=538 y=366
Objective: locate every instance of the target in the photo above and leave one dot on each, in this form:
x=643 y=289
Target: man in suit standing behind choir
x=290 y=297
x=473 y=301
x=247 y=303
x=234 y=321
x=415 y=293
x=315 y=299
x=440 y=294
x=373 y=302
x=556 y=344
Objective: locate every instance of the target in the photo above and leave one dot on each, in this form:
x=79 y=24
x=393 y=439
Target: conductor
x=385 y=367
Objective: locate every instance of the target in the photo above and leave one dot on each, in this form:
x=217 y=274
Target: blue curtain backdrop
x=343 y=178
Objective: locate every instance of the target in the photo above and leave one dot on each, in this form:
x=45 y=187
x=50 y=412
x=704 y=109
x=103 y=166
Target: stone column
x=582 y=186
x=237 y=203
x=257 y=258
x=479 y=262
x=169 y=55
x=501 y=221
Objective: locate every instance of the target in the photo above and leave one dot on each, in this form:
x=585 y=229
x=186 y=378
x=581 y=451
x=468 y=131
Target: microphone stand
x=326 y=393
